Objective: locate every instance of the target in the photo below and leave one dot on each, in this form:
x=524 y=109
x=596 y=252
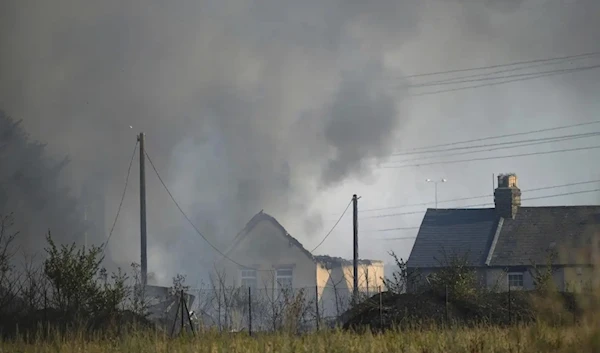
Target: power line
x=561 y=186
x=558 y=195
x=506 y=135
x=238 y=235
x=553 y=195
x=192 y=223
x=205 y=239
x=399 y=238
x=332 y=228
x=122 y=197
x=399 y=228
x=485 y=204
x=491 y=158
x=393 y=215
x=413 y=160
x=502 y=71
x=502 y=82
x=541 y=139
x=504 y=65
x=524 y=75
x=532 y=198
x=423 y=203
x=482 y=196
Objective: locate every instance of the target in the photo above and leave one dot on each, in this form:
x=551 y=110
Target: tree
x=79 y=285
x=402 y=279
x=455 y=276
x=8 y=275
x=543 y=275
x=178 y=285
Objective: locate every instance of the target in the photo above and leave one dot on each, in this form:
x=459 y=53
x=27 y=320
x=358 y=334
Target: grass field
x=537 y=338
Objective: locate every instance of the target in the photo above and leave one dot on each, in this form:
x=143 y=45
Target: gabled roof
x=490 y=240
x=448 y=232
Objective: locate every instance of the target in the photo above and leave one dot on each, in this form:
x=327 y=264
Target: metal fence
x=257 y=309
x=310 y=309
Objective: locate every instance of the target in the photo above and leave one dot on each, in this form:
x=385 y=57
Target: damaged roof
x=262 y=216
x=331 y=261
x=324 y=260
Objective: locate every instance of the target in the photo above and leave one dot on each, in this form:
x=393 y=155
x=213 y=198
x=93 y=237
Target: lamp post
x=436 y=182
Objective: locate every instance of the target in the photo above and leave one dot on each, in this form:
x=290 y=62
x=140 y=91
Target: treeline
x=39 y=279
x=35 y=190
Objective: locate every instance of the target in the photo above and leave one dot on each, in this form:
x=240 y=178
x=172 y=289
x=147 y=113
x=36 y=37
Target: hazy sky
x=292 y=107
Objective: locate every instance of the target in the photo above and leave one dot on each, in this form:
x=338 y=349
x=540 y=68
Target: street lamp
x=436 y=182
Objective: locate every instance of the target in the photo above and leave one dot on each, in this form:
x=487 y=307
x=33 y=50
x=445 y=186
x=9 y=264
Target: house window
x=248 y=277
x=283 y=278
x=515 y=281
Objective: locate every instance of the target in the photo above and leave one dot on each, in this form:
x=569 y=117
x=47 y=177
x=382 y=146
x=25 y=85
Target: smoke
x=246 y=105
x=361 y=119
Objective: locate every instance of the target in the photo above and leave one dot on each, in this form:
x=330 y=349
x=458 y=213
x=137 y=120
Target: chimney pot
x=507 y=196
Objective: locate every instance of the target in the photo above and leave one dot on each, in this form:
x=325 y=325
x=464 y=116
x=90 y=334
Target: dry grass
x=537 y=338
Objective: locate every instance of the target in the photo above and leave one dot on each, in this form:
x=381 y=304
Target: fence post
x=187 y=310
x=509 y=306
x=45 y=326
x=219 y=306
x=380 y=308
x=250 y=311
x=182 y=315
x=175 y=318
x=317 y=305
x=447 y=313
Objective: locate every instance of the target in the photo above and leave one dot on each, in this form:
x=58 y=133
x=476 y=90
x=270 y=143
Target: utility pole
x=144 y=259
x=355 y=258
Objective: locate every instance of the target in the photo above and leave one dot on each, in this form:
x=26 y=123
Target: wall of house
x=419 y=277
x=336 y=284
x=565 y=278
x=577 y=279
x=266 y=248
x=559 y=279
x=369 y=277
x=334 y=293
x=323 y=278
x=497 y=279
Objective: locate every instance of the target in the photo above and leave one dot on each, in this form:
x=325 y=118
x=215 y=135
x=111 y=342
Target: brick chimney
x=507 y=196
